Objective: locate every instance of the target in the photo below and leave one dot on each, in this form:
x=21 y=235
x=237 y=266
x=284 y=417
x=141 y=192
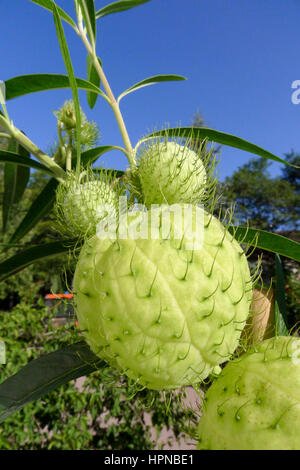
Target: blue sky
x=240 y=58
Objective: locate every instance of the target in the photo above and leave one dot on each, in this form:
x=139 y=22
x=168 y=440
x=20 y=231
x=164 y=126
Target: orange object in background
x=63 y=306
x=58 y=296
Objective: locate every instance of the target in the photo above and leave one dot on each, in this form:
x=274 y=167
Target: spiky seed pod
x=81 y=203
x=255 y=403
x=163 y=313
x=66 y=116
x=171 y=173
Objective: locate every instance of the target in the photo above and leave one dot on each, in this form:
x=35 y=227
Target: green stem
x=4 y=135
x=33 y=149
x=5 y=111
x=69 y=153
x=112 y=100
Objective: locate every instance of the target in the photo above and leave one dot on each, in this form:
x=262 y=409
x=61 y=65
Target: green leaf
x=116 y=7
x=281 y=321
x=9 y=192
x=15 y=182
x=151 y=81
x=25 y=84
x=219 y=137
x=69 y=67
x=23 y=259
x=89 y=17
x=13 y=158
x=91 y=155
x=267 y=241
x=40 y=207
x=22 y=175
x=94 y=78
x=48 y=5
x=117 y=173
x=44 y=374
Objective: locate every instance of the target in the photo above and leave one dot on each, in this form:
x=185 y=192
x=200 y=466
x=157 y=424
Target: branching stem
x=33 y=149
x=111 y=98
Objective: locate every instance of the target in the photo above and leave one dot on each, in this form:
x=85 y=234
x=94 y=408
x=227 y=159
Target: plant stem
x=4 y=135
x=69 y=154
x=112 y=100
x=33 y=149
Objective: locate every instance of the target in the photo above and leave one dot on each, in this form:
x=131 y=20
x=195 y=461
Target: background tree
x=264 y=202
x=201 y=144
x=290 y=173
x=273 y=204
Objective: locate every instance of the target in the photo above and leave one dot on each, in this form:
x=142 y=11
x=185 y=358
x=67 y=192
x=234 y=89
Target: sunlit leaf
x=117 y=7
x=48 y=5
x=218 y=137
x=25 y=84
x=267 y=241
x=151 y=81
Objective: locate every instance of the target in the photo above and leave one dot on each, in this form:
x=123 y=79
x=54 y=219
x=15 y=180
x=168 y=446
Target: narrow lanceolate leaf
x=15 y=181
x=89 y=18
x=267 y=241
x=40 y=207
x=22 y=175
x=218 y=137
x=94 y=78
x=69 y=67
x=151 y=81
x=44 y=374
x=110 y=171
x=28 y=256
x=116 y=7
x=9 y=180
x=9 y=192
x=90 y=156
x=48 y=5
x=13 y=158
x=25 y=84
x=281 y=321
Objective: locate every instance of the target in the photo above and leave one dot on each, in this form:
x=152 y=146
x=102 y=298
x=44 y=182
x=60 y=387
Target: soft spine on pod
x=255 y=402
x=164 y=314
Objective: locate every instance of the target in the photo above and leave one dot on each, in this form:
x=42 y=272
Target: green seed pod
x=163 y=313
x=255 y=402
x=82 y=204
x=171 y=173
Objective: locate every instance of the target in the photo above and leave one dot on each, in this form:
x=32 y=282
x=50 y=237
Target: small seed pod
x=171 y=173
x=81 y=203
x=254 y=404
